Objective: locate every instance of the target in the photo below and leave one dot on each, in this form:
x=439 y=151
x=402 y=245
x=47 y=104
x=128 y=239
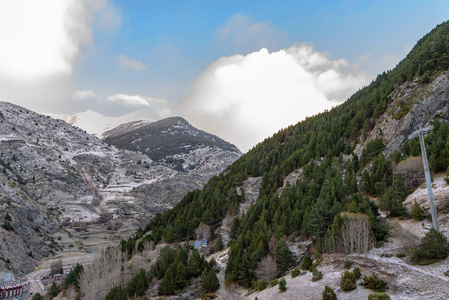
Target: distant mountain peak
x=97 y=124
x=171 y=140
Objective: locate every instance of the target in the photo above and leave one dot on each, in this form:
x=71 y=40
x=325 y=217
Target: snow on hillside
x=97 y=124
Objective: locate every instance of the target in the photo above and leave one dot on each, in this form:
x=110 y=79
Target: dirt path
x=226 y=292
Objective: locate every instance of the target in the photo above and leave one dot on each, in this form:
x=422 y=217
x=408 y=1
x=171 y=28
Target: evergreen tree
x=73 y=276
x=219 y=244
x=210 y=282
x=434 y=246
x=417 y=212
x=282 y=285
x=391 y=203
x=399 y=186
x=138 y=285
x=180 y=279
x=54 y=290
x=319 y=218
x=117 y=293
x=283 y=256
x=365 y=182
x=167 y=285
x=193 y=268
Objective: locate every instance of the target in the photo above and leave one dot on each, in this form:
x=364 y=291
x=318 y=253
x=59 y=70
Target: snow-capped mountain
x=97 y=124
x=60 y=185
x=175 y=143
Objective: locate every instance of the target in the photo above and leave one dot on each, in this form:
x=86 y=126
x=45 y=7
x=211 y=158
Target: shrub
x=273 y=282
x=6 y=225
x=357 y=272
x=378 y=296
x=317 y=275
x=446 y=273
x=315 y=264
x=329 y=294
x=374 y=283
x=282 y=285
x=434 y=246
x=348 y=281
x=306 y=263
x=348 y=264
x=295 y=272
x=261 y=285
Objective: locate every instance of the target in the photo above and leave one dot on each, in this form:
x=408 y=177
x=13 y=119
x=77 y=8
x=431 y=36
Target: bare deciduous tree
x=56 y=267
x=266 y=269
x=356 y=235
x=108 y=270
x=412 y=171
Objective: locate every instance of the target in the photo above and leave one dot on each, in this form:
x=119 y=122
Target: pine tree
x=417 y=212
x=391 y=203
x=54 y=290
x=210 y=282
x=180 y=278
x=219 y=244
x=194 y=265
x=399 y=186
x=283 y=256
x=282 y=285
x=434 y=245
x=365 y=183
x=72 y=277
x=167 y=286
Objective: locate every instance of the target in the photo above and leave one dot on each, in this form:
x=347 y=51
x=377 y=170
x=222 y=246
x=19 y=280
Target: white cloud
x=245 y=99
x=40 y=42
x=245 y=35
x=84 y=94
x=160 y=106
x=126 y=62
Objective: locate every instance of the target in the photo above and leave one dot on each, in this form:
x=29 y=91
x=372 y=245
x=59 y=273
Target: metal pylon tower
x=420 y=132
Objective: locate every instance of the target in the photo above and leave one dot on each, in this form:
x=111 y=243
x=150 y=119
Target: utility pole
x=420 y=132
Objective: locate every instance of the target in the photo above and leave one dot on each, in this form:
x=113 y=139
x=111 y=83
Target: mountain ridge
x=172 y=141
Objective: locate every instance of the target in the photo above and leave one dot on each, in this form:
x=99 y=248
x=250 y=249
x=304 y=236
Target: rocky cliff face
x=57 y=178
x=413 y=104
x=176 y=144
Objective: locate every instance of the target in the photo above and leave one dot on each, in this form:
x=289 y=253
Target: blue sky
x=203 y=59
x=177 y=40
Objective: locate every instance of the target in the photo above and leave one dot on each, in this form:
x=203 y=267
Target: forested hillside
x=335 y=185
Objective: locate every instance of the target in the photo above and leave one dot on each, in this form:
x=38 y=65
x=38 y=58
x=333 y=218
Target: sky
x=239 y=69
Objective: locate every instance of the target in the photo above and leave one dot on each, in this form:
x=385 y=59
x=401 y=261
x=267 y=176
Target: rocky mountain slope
x=174 y=142
x=60 y=188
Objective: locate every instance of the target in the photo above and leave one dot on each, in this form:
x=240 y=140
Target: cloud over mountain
x=246 y=98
